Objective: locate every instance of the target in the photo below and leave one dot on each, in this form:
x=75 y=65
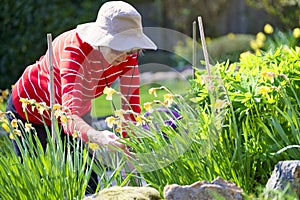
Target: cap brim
x=96 y=36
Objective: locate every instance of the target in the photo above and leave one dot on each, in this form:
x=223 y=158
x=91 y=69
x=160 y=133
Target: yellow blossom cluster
x=168 y=98
x=60 y=112
x=118 y=119
x=109 y=92
x=41 y=107
x=260 y=38
x=268 y=29
x=4 y=95
x=268 y=76
x=264 y=91
x=4 y=122
x=296 y=32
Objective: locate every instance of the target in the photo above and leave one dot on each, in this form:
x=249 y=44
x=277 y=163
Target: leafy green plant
x=262 y=90
x=53 y=174
x=62 y=171
x=245 y=122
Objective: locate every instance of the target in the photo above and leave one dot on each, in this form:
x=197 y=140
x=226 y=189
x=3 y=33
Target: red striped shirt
x=80 y=75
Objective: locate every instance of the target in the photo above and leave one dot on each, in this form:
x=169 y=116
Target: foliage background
x=25 y=23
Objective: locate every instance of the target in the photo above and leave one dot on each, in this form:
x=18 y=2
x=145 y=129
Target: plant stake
x=194 y=48
x=51 y=74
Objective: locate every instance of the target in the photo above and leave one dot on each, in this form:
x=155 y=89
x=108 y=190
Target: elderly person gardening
x=86 y=60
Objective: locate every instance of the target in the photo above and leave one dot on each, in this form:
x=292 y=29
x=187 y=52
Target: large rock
x=284 y=173
x=126 y=193
x=203 y=190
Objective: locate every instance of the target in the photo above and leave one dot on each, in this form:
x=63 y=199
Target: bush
x=26 y=24
x=261 y=95
x=227 y=47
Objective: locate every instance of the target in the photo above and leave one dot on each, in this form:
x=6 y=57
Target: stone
x=203 y=190
x=284 y=173
x=126 y=193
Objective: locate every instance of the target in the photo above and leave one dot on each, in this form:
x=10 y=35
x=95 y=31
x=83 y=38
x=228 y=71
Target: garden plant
x=237 y=122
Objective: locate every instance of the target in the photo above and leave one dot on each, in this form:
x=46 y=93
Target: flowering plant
x=271 y=38
x=260 y=99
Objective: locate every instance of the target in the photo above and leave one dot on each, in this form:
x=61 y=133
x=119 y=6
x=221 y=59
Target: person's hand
x=104 y=139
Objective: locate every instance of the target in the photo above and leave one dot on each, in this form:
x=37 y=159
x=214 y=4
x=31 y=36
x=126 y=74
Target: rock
x=126 y=193
x=203 y=190
x=284 y=173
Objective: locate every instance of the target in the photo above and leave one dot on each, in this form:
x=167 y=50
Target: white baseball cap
x=118 y=26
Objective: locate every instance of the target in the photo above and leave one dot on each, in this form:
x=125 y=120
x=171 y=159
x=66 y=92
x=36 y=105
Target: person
x=85 y=61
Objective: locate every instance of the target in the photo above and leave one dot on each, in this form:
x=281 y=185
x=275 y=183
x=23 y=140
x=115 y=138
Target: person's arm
x=103 y=138
x=130 y=89
x=73 y=87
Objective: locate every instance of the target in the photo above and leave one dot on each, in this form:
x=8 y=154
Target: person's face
x=115 y=57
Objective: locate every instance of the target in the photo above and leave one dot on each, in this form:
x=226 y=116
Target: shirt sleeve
x=72 y=86
x=130 y=87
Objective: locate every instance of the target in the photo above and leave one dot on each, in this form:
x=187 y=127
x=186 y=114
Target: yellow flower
x=94 y=146
x=5 y=93
x=152 y=91
x=268 y=29
x=219 y=104
x=63 y=119
x=260 y=36
x=56 y=106
x=41 y=107
x=119 y=130
x=110 y=121
x=271 y=100
x=259 y=43
x=139 y=120
x=231 y=36
x=1 y=99
x=109 y=92
x=168 y=99
x=11 y=136
x=253 y=45
x=296 y=32
x=5 y=127
x=75 y=134
x=264 y=90
x=147 y=106
x=17 y=132
x=25 y=102
x=120 y=114
x=268 y=76
x=58 y=113
x=28 y=127
x=14 y=123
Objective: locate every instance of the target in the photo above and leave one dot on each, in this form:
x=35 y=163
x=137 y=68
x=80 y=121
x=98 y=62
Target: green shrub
x=227 y=47
x=262 y=94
